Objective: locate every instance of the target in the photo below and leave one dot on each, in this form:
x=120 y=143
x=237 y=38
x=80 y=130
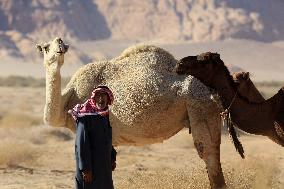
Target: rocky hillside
x=24 y=22
x=196 y=20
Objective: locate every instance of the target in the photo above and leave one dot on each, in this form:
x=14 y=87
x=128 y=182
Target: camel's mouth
x=63 y=48
x=179 y=70
x=185 y=64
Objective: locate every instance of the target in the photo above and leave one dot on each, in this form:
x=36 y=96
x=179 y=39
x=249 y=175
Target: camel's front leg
x=206 y=132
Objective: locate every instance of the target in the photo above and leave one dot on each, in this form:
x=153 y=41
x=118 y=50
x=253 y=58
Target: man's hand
x=87 y=175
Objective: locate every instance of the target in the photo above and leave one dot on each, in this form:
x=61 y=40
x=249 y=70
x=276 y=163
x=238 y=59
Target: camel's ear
x=39 y=48
x=46 y=47
x=246 y=76
x=215 y=56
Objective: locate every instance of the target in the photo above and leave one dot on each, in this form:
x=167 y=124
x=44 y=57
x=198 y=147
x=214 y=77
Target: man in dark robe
x=95 y=156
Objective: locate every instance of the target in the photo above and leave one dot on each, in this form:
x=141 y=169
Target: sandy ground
x=44 y=158
x=38 y=157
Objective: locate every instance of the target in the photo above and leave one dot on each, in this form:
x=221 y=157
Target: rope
x=227 y=120
x=232 y=100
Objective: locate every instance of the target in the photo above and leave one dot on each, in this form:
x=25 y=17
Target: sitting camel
x=260 y=118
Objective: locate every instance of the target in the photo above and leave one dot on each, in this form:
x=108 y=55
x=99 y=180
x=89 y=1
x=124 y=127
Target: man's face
x=101 y=99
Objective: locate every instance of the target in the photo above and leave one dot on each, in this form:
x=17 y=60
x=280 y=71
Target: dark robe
x=93 y=150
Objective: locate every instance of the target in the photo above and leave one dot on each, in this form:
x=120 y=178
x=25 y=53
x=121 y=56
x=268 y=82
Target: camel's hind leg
x=206 y=133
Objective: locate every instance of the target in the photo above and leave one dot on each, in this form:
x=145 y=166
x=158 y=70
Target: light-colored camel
x=152 y=103
x=261 y=118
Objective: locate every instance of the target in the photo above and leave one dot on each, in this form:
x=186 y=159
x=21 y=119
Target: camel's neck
x=53 y=96
x=223 y=86
x=254 y=118
x=252 y=93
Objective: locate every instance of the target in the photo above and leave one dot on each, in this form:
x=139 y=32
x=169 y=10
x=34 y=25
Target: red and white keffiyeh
x=89 y=107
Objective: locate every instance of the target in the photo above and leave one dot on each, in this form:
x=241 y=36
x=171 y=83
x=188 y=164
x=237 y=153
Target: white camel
x=152 y=102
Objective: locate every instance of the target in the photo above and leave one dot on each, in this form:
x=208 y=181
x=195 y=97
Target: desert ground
x=36 y=156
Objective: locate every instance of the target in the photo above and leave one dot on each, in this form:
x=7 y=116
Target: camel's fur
x=152 y=103
x=263 y=118
x=246 y=87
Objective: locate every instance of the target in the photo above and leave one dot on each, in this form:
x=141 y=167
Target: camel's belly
x=151 y=126
x=146 y=108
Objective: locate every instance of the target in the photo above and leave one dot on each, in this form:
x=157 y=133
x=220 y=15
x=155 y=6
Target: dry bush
x=26 y=81
x=20 y=81
x=15 y=152
x=19 y=119
x=26 y=146
x=59 y=134
x=269 y=88
x=276 y=84
x=252 y=173
x=164 y=179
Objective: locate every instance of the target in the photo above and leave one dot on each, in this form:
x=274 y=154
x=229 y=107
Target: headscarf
x=89 y=107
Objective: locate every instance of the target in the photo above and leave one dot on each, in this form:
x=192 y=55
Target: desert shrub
x=60 y=134
x=19 y=119
x=44 y=134
x=269 y=88
x=276 y=84
x=23 y=81
x=19 y=81
x=252 y=173
x=16 y=152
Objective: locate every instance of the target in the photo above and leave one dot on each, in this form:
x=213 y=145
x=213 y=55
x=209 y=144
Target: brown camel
x=261 y=118
x=246 y=87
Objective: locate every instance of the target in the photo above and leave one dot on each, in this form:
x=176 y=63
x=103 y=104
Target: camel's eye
x=46 y=48
x=60 y=41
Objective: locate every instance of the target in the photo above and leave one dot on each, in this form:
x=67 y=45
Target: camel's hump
x=141 y=48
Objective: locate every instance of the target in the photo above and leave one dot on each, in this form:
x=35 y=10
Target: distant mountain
x=25 y=22
x=194 y=20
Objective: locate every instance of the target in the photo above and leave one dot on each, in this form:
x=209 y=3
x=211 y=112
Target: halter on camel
x=227 y=120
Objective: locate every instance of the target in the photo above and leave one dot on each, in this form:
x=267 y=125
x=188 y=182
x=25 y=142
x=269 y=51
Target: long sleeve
x=83 y=147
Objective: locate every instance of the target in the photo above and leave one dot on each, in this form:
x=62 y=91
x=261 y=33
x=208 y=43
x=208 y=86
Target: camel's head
x=204 y=66
x=242 y=81
x=241 y=77
x=246 y=87
x=53 y=51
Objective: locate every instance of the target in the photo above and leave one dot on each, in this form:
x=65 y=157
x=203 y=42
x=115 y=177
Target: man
x=95 y=156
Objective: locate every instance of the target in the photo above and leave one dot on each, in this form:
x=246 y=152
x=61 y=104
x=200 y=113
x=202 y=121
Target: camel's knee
x=200 y=148
x=207 y=151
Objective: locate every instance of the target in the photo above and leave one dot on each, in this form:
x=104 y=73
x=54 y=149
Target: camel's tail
x=234 y=137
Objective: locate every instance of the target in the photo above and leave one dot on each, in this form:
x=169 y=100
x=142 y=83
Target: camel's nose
x=66 y=47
